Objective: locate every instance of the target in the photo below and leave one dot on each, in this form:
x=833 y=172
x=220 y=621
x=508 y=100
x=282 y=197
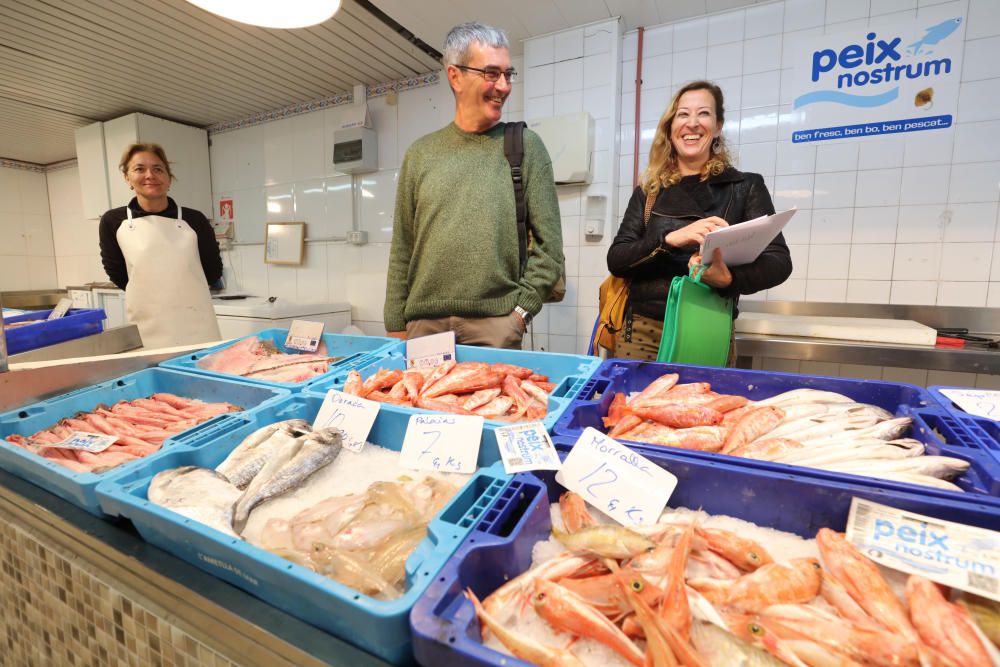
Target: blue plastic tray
x=79 y=488
x=356 y=350
x=76 y=323
x=378 y=626
x=445 y=631
x=940 y=432
x=985 y=431
x=569 y=372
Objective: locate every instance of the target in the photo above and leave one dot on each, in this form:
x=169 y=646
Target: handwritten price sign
x=626 y=486
x=979 y=402
x=353 y=415
x=445 y=443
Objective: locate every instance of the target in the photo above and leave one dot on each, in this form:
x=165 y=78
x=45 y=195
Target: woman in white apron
x=163 y=256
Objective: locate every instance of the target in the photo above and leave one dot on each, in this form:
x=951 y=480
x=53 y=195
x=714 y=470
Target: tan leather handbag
x=612 y=297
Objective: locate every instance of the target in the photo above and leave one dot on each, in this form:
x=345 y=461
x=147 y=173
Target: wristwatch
x=524 y=315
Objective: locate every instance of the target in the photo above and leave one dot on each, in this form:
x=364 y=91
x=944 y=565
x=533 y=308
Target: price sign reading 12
x=445 y=443
x=626 y=486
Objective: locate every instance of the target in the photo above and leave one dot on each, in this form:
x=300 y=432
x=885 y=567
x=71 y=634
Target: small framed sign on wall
x=285 y=243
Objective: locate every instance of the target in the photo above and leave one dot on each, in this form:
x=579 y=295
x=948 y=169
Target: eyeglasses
x=142 y=169
x=492 y=74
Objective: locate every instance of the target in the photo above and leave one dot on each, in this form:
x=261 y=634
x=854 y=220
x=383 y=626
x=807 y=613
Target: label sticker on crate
x=431 y=350
x=87 y=442
x=446 y=443
x=978 y=402
x=304 y=335
x=626 y=486
x=526 y=447
x=61 y=308
x=963 y=557
x=351 y=414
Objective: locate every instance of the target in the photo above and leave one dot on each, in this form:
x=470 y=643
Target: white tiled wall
x=27 y=260
x=905 y=219
x=77 y=250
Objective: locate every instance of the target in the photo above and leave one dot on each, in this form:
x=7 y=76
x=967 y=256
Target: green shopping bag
x=697 y=324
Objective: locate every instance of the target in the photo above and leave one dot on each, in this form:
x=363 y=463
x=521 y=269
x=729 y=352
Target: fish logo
x=934 y=34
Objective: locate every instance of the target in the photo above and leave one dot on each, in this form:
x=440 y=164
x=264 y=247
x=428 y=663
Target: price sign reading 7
x=447 y=443
x=624 y=485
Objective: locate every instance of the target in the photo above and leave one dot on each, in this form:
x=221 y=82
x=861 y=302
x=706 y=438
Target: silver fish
x=201 y=494
x=942 y=467
x=249 y=457
x=806 y=396
x=850 y=450
x=287 y=469
x=720 y=648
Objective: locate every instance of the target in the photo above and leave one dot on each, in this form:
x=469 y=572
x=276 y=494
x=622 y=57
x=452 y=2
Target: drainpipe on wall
x=638 y=96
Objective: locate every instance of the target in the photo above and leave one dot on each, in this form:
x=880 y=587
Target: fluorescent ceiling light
x=272 y=13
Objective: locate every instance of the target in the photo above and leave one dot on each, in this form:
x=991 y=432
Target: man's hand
x=694 y=234
x=401 y=335
x=717 y=274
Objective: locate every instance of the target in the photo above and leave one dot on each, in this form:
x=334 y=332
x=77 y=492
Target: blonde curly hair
x=663 y=170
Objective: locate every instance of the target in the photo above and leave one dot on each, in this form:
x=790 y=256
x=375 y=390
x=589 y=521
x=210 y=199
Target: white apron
x=167 y=295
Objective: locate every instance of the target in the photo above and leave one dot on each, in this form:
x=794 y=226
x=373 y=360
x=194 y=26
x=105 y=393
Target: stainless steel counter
x=110 y=341
x=982 y=321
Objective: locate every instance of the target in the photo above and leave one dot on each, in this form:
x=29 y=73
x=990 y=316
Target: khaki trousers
x=504 y=331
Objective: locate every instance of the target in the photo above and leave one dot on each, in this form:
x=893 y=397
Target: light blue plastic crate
x=569 y=372
x=378 y=626
x=78 y=487
x=445 y=628
x=356 y=350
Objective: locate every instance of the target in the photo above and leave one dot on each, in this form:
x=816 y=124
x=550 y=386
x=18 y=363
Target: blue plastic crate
x=355 y=350
x=80 y=488
x=569 y=372
x=984 y=430
x=445 y=630
x=939 y=431
x=378 y=626
x=76 y=323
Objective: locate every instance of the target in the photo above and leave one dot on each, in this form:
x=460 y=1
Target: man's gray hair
x=461 y=37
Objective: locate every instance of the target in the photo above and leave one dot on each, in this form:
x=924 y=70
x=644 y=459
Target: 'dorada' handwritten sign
x=625 y=485
x=353 y=415
x=445 y=443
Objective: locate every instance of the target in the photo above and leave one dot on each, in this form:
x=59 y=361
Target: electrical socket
x=358 y=237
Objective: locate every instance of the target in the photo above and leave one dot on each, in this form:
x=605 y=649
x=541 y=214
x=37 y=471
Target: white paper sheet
x=742 y=243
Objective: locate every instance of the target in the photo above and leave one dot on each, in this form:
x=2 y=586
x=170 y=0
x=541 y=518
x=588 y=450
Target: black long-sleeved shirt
x=114 y=260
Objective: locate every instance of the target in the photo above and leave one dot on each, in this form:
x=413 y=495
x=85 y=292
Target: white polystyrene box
x=570 y=141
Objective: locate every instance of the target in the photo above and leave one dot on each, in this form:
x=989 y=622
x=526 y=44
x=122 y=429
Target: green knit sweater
x=454 y=237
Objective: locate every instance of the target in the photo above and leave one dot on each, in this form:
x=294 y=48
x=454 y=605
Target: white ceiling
x=68 y=63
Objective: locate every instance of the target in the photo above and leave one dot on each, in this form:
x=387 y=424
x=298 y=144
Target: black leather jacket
x=640 y=254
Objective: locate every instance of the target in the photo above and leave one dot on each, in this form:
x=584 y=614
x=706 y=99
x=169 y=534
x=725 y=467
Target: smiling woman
x=694 y=190
x=163 y=256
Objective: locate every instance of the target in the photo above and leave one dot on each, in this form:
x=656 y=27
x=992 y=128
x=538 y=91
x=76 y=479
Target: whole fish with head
x=851 y=450
x=862 y=580
x=744 y=553
x=565 y=610
x=520 y=646
x=753 y=425
x=942 y=467
x=721 y=648
x=798 y=581
x=250 y=456
x=517 y=590
x=201 y=494
x=287 y=469
x=942 y=625
x=605 y=541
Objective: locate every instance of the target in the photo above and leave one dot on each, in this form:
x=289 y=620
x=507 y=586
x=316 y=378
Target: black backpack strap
x=513 y=148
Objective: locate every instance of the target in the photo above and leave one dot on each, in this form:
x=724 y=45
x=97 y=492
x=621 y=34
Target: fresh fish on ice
x=249 y=457
x=288 y=468
x=201 y=494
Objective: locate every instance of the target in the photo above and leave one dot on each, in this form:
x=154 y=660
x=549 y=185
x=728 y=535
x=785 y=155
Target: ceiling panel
x=67 y=63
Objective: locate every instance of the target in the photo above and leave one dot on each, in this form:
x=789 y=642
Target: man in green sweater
x=454 y=263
